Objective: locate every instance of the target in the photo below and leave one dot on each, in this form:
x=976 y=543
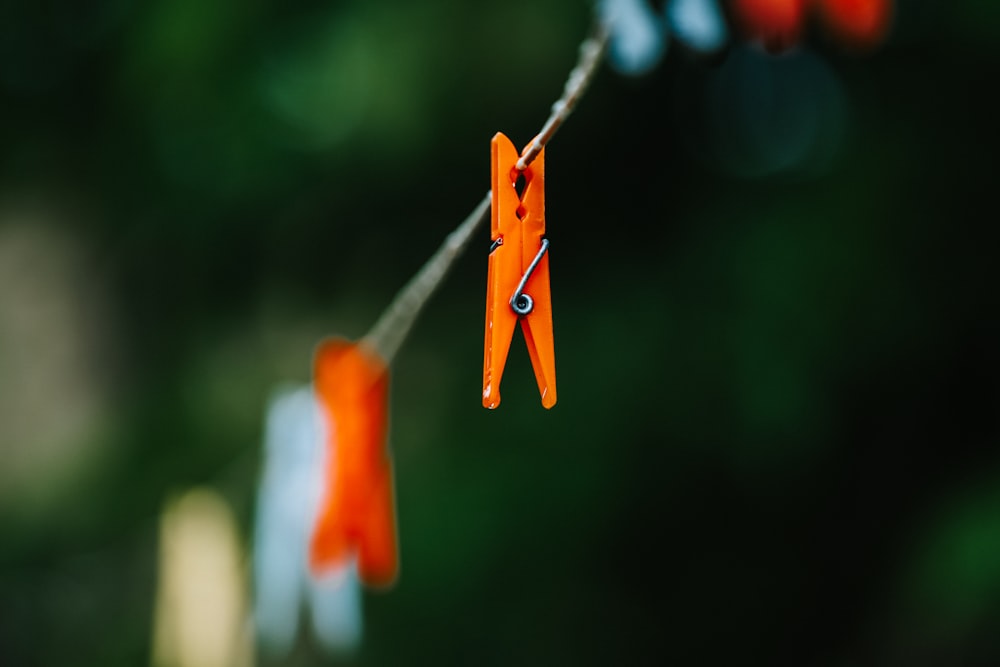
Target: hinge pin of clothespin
x=522 y=303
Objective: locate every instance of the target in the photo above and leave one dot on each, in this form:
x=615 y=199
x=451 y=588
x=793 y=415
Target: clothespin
x=357 y=517
x=518 y=282
x=294 y=481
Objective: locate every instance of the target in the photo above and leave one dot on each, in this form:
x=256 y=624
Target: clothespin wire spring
x=522 y=303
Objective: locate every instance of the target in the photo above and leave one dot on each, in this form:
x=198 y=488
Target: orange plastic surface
x=517 y=229
x=358 y=515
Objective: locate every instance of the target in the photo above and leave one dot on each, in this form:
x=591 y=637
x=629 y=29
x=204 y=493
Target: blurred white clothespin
x=638 y=36
x=288 y=500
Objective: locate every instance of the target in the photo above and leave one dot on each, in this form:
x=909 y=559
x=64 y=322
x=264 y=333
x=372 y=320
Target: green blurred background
x=777 y=433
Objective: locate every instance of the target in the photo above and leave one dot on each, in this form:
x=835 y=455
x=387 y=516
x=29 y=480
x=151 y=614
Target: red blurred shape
x=358 y=512
x=858 y=23
x=776 y=23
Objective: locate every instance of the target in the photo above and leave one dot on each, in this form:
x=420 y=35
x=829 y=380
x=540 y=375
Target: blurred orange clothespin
x=358 y=515
x=518 y=282
x=778 y=24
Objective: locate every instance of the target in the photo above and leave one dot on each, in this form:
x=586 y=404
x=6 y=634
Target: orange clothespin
x=358 y=515
x=518 y=283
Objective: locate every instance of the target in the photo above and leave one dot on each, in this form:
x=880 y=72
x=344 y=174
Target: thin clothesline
x=392 y=327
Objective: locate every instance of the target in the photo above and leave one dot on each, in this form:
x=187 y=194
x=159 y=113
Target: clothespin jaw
x=518 y=280
x=357 y=517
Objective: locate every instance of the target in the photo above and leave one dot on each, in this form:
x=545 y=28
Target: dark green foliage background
x=777 y=433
